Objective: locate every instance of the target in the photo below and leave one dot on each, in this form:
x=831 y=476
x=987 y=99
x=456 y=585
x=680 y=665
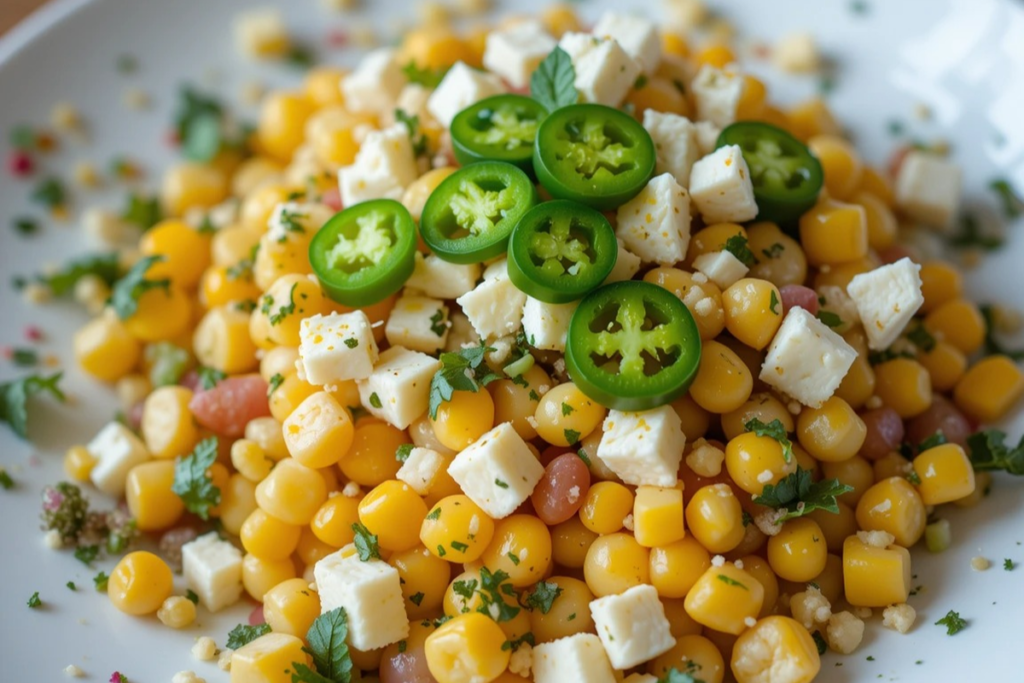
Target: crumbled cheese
x=52 y=540
x=73 y=671
x=224 y=660
x=980 y=564
x=351 y=490
x=187 y=677
x=717 y=561
x=797 y=53
x=749 y=622
x=261 y=33
x=810 y=608
x=844 y=632
x=521 y=660
x=876 y=539
x=205 y=649
x=899 y=617
x=738 y=564
x=863 y=612
x=704 y=459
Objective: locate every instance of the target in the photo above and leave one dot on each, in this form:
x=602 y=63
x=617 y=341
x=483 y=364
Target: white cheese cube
x=385 y=165
x=418 y=323
x=495 y=306
x=398 y=389
x=604 y=72
x=806 y=359
x=675 y=144
x=497 y=471
x=928 y=189
x=213 y=570
x=441 y=279
x=721 y=188
x=707 y=136
x=643 y=448
x=717 y=93
x=371 y=594
x=579 y=657
x=721 y=267
x=887 y=299
x=295 y=217
x=413 y=101
x=797 y=53
x=546 y=325
x=637 y=36
x=117 y=450
x=420 y=469
x=655 y=224
x=461 y=87
x=632 y=626
x=262 y=33
x=375 y=84
x=337 y=347
x=627 y=264
x=514 y=53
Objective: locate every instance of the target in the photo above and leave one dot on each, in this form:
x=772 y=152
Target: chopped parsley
x=738 y=247
x=513 y=558
x=202 y=128
x=100 y=581
x=124 y=298
x=1009 y=565
x=375 y=401
x=50 y=193
x=14 y=398
x=459 y=546
x=774 y=251
x=729 y=581
x=282 y=311
x=142 y=211
x=403 y=451
x=953 y=623
x=209 y=377
x=553 y=83
x=86 y=554
x=583 y=456
x=25 y=226
x=500 y=484
x=71 y=586
x=275 y=383
x=462 y=371
x=441 y=552
x=775 y=430
x=417 y=598
x=351 y=342
x=972 y=236
x=434 y=514
x=936 y=439
x=1013 y=205
x=491 y=591
x=427 y=77
x=988 y=451
x=191 y=596
x=34 y=602
x=5 y=480
x=300 y=57
x=566 y=408
x=106 y=267
x=24 y=358
x=796 y=495
x=527 y=638
x=417 y=139
x=920 y=337
x=773 y=305
x=543 y=596
x=829 y=318
x=819 y=641
x=366 y=543
x=289 y=220
x=192 y=481
x=572 y=436
x=674 y=675
x=243 y=634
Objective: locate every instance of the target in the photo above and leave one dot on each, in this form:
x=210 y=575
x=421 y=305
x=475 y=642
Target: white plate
x=964 y=58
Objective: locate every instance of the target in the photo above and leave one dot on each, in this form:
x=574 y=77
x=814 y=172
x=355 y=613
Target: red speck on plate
x=20 y=164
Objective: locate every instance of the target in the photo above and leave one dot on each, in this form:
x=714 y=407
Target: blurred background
x=13 y=11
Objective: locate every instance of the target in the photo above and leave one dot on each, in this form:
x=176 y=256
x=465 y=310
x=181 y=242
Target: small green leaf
x=274 y=384
x=829 y=318
x=100 y=582
x=553 y=84
x=543 y=596
x=774 y=429
x=124 y=298
x=192 y=481
x=328 y=647
x=953 y=623
x=34 y=601
x=375 y=401
x=729 y=581
x=738 y=247
x=403 y=451
x=243 y=634
x=86 y=554
x=366 y=543
x=572 y=436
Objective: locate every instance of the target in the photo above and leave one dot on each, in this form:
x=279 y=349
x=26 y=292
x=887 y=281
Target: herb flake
x=192 y=482
x=796 y=494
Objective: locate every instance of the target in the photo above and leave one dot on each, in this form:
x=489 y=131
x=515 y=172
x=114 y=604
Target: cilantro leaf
x=107 y=267
x=674 y=675
x=936 y=439
x=366 y=543
x=553 y=84
x=403 y=451
x=412 y=125
x=972 y=236
x=34 y=601
x=437 y=325
x=50 y=193
x=275 y=383
x=953 y=623
x=543 y=596
x=192 y=483
x=729 y=581
x=820 y=642
x=1008 y=564
x=797 y=495
x=243 y=634
x=326 y=638
x=14 y=397
x=430 y=78
x=920 y=337
x=774 y=429
x=491 y=595
x=829 y=318
x=988 y=451
x=282 y=311
x=459 y=372
x=142 y=211
x=124 y=298
x=100 y=582
x=737 y=246
x=86 y=554
x=209 y=377
x=191 y=596
x=5 y=480
x=1013 y=205
x=572 y=436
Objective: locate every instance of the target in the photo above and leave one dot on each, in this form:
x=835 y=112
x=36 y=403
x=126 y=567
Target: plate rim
x=38 y=22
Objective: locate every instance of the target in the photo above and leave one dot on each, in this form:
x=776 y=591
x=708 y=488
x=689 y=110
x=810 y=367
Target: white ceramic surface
x=964 y=58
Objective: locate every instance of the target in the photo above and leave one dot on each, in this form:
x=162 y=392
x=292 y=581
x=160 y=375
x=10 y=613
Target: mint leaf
x=14 y=399
x=553 y=84
x=774 y=429
x=124 y=298
x=192 y=483
x=797 y=495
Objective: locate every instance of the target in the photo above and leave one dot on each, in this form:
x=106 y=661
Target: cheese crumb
x=899 y=617
x=876 y=539
x=72 y=671
x=844 y=632
x=224 y=661
x=717 y=561
x=187 y=677
x=810 y=608
x=704 y=459
x=351 y=490
x=205 y=649
x=980 y=564
x=52 y=540
x=521 y=660
x=749 y=622
x=863 y=612
x=627 y=522
x=738 y=564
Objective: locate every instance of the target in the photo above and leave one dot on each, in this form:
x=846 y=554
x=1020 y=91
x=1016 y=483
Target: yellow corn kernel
x=873 y=576
x=989 y=389
x=946 y=474
x=762 y=406
x=605 y=506
x=753 y=311
x=394 y=513
x=832 y=432
x=514 y=402
x=222 y=285
x=877 y=184
x=371 y=458
x=891 y=465
x=282 y=123
x=695 y=420
x=467 y=649
x=415 y=196
x=250 y=461
x=464 y=419
x=712 y=238
x=881 y=221
x=798 y=551
x=811 y=118
x=267 y=537
x=836 y=526
x=780 y=259
x=322 y=86
x=78 y=463
x=982 y=487
x=840 y=163
x=661 y=95
x=893 y=505
x=292 y=492
x=945 y=364
x=265 y=432
x=569 y=614
x=186 y=252
x=290 y=607
x=717 y=54
x=168 y=427
x=679 y=622
x=959 y=322
x=758 y=567
x=279 y=360
x=709 y=315
x=564 y=415
x=690 y=653
x=520 y=547
x=332 y=134
x=756 y=461
x=319 y=431
x=268 y=659
x=723 y=597
x=140 y=583
x=424 y=579
x=333 y=521
x=840 y=275
x=222 y=341
x=191 y=185
x=753 y=99
x=904 y=385
x=259 y=575
x=435 y=47
x=232 y=245
x=856 y=472
x=288 y=300
x=570 y=542
x=457 y=530
x=859 y=383
x=940 y=282
x=658 y=515
x=289 y=395
x=775 y=643
x=150 y=499
x=833 y=233
x=177 y=612
x=311 y=549
x=723 y=382
x=615 y=563
x=237 y=502
x=258 y=204
x=675 y=567
x=715 y=518
x=560 y=18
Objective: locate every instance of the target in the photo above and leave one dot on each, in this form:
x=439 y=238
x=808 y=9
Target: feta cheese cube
x=213 y=570
x=707 y=136
x=336 y=347
x=655 y=224
x=374 y=85
x=117 y=450
x=385 y=165
x=721 y=188
x=461 y=87
x=495 y=306
x=514 y=53
x=721 y=267
x=546 y=325
x=637 y=36
x=579 y=657
x=289 y=218
x=643 y=448
x=441 y=279
x=413 y=101
x=675 y=144
x=398 y=389
x=717 y=93
x=632 y=626
x=627 y=264
x=497 y=471
x=418 y=323
x=806 y=360
x=371 y=594
x=261 y=33
x=604 y=72
x=797 y=53
x=887 y=299
x=421 y=468
x=928 y=189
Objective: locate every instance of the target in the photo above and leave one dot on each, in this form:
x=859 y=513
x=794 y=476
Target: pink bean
x=884 y=433
x=941 y=416
x=229 y=406
x=798 y=295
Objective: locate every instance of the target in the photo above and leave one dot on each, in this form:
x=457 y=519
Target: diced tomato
x=230 y=405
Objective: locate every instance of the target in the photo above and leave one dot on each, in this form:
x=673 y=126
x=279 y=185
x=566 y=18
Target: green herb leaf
x=326 y=638
x=24 y=358
x=971 y=236
x=820 y=642
x=465 y=588
x=243 y=634
x=191 y=596
x=459 y=372
x=674 y=675
x=729 y=581
x=275 y=383
x=988 y=451
x=797 y=495
x=71 y=586
x=100 y=582
x=301 y=673
x=125 y=295
x=773 y=304
x=572 y=436
x=513 y=645
x=107 y=267
x=437 y=325
x=500 y=484
x=936 y=439
x=25 y=226
x=403 y=451
x=5 y=480
x=375 y=401
x=1008 y=564
x=417 y=598
x=513 y=558
x=543 y=596
x=553 y=84
x=209 y=377
x=300 y=57
x=366 y=543
x=953 y=623
x=459 y=546
x=430 y=78
x=142 y=211
x=774 y=429
x=14 y=397
x=34 y=601
x=1011 y=202
x=50 y=193
x=879 y=357
x=282 y=311
x=829 y=318
x=22 y=137
x=774 y=251
x=920 y=337
x=737 y=246
x=584 y=457
x=491 y=594
x=434 y=514
x=192 y=483
x=416 y=138
x=86 y=554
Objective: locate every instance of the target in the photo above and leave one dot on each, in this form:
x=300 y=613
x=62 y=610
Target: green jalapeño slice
x=470 y=215
x=786 y=176
x=632 y=346
x=594 y=155
x=498 y=128
x=560 y=250
x=365 y=253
